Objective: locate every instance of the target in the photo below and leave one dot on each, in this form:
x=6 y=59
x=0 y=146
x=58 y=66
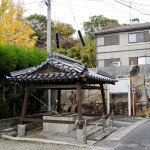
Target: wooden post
x=25 y=102
x=103 y=98
x=80 y=117
x=59 y=100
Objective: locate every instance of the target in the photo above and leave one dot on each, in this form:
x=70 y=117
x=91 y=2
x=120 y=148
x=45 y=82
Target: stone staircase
x=96 y=133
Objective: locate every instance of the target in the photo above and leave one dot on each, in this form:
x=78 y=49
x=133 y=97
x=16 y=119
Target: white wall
x=122 y=51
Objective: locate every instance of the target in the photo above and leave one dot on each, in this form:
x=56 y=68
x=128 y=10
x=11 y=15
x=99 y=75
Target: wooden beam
x=89 y=87
x=47 y=121
x=64 y=87
x=94 y=119
x=70 y=86
x=90 y=114
x=25 y=102
x=59 y=100
x=103 y=98
x=79 y=99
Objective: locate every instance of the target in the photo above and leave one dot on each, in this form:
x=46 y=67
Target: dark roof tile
x=73 y=69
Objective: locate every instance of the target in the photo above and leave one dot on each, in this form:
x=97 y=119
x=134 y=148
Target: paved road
x=133 y=137
x=137 y=139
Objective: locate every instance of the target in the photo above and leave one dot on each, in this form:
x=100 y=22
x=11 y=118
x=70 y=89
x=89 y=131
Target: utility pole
x=48 y=3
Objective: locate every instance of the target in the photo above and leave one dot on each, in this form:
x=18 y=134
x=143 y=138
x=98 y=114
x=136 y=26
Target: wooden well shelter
x=61 y=73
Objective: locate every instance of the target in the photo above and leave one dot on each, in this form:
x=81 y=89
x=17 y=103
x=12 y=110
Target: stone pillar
x=21 y=130
x=81 y=136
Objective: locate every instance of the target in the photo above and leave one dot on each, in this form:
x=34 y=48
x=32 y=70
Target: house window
x=112 y=62
x=143 y=60
x=111 y=40
x=136 y=37
x=134 y=59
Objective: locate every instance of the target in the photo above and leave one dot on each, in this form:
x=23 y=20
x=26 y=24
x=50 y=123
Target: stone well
x=58 y=127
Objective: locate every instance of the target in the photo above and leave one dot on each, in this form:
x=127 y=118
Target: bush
x=14 y=58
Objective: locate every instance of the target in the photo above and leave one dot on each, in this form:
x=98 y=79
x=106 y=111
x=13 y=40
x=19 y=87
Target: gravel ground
x=27 y=145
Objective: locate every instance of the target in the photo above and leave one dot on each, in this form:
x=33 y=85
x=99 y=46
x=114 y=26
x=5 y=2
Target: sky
x=75 y=12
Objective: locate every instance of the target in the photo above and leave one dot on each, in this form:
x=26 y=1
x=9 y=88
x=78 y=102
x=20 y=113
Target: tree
x=39 y=25
x=98 y=23
x=13 y=57
x=65 y=32
x=14 y=29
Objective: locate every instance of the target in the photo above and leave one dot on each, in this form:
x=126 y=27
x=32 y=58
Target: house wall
x=123 y=50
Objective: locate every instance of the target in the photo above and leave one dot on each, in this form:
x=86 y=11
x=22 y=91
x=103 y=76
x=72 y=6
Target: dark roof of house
x=134 y=27
x=67 y=69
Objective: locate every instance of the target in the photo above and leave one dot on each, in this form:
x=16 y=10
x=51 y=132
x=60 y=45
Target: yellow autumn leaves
x=14 y=29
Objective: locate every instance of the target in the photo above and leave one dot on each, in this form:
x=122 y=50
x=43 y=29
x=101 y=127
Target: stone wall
x=92 y=101
x=9 y=122
x=142 y=90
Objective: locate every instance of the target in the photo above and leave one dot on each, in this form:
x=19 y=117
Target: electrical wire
x=81 y=7
x=72 y=14
x=40 y=101
x=133 y=4
x=130 y=7
x=136 y=3
x=120 y=10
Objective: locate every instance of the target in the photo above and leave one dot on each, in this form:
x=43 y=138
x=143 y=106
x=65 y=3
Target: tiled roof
x=69 y=69
x=140 y=26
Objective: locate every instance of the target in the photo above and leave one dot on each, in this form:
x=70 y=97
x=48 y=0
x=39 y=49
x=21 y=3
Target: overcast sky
x=75 y=12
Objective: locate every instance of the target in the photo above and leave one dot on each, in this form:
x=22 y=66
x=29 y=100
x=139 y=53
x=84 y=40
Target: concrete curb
x=4 y=136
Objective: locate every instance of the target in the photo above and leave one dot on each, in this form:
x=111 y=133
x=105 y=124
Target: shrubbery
x=14 y=58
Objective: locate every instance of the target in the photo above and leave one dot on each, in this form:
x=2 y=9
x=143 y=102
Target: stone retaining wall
x=92 y=101
x=9 y=122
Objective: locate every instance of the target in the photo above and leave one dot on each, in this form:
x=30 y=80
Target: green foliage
x=14 y=58
x=97 y=23
x=64 y=30
x=4 y=110
x=87 y=55
x=7 y=60
x=39 y=24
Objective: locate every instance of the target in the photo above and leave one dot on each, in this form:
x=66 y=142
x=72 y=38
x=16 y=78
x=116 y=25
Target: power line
x=130 y=7
x=72 y=14
x=81 y=7
x=119 y=9
x=136 y=6
x=136 y=3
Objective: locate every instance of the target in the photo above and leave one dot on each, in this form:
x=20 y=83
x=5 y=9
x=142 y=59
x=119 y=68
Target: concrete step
x=92 y=129
x=100 y=135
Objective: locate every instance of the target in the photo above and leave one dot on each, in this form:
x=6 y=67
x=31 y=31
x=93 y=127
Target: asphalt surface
x=126 y=119
x=135 y=136
x=137 y=139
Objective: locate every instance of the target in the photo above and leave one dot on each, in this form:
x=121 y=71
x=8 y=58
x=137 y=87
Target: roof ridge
x=62 y=57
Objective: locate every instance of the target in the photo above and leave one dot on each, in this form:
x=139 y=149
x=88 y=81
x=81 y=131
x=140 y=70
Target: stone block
x=141 y=109
x=21 y=130
x=58 y=127
x=81 y=136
